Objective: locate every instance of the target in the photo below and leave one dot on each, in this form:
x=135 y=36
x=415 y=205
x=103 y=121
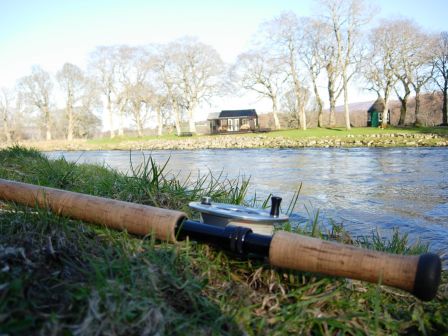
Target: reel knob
x=275 y=206
x=206 y=200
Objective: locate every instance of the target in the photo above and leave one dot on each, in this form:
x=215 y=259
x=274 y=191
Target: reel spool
x=222 y=214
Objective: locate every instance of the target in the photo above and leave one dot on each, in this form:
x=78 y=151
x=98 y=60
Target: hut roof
x=237 y=113
x=377 y=106
x=214 y=115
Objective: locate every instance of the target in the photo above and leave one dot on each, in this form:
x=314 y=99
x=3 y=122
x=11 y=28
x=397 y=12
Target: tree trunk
x=302 y=116
x=332 y=98
x=159 y=122
x=274 y=112
x=319 y=104
x=331 y=94
x=139 y=126
x=385 y=112
x=70 y=123
x=403 y=110
x=177 y=121
x=332 y=121
x=6 y=127
x=191 y=122
x=297 y=89
x=47 y=119
x=445 y=102
x=138 y=117
x=404 y=104
x=120 y=126
x=70 y=118
x=177 y=118
x=418 y=120
x=346 y=108
x=111 y=117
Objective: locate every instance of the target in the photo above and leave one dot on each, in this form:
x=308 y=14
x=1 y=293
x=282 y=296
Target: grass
x=366 y=131
x=60 y=276
x=293 y=134
x=119 y=139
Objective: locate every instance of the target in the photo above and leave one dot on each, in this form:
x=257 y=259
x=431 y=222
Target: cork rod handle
x=135 y=218
x=419 y=275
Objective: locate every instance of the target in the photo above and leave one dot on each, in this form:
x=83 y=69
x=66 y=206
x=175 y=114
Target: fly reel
x=223 y=214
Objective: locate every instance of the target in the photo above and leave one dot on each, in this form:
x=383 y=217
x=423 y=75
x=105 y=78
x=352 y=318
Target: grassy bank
x=317 y=137
x=59 y=276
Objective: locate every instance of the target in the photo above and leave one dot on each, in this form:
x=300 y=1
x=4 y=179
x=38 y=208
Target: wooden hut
x=233 y=121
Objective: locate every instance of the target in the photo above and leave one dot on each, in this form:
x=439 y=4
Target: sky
x=52 y=32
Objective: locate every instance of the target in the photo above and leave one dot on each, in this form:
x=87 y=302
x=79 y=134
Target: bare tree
x=328 y=57
x=103 y=66
x=334 y=85
x=441 y=71
x=36 y=90
x=412 y=65
x=87 y=124
x=200 y=68
x=166 y=74
x=138 y=97
x=346 y=18
x=6 y=101
x=262 y=73
x=315 y=35
x=159 y=104
x=406 y=60
x=123 y=70
x=422 y=74
x=380 y=69
x=134 y=64
x=73 y=84
x=283 y=34
x=122 y=104
x=289 y=104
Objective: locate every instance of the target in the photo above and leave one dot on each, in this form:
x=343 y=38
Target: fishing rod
x=418 y=275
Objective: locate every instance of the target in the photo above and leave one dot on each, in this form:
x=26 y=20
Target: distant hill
x=430 y=111
x=358 y=106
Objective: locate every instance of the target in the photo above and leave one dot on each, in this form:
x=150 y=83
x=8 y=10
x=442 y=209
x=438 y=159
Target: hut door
x=375 y=119
x=233 y=125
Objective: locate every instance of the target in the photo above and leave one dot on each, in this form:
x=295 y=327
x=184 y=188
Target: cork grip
x=135 y=218
x=419 y=275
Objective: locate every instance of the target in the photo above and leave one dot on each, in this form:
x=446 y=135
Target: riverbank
x=60 y=276
x=321 y=138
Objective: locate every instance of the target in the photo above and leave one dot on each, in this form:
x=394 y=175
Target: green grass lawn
x=118 y=139
x=293 y=133
x=343 y=132
x=66 y=277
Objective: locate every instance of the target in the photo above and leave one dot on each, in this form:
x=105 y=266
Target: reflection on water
x=365 y=188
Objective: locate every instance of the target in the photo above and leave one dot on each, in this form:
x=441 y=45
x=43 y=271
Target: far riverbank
x=314 y=138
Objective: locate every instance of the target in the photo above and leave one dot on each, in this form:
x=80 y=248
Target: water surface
x=365 y=189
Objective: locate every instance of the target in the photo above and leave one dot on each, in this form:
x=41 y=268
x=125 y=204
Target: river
x=365 y=189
